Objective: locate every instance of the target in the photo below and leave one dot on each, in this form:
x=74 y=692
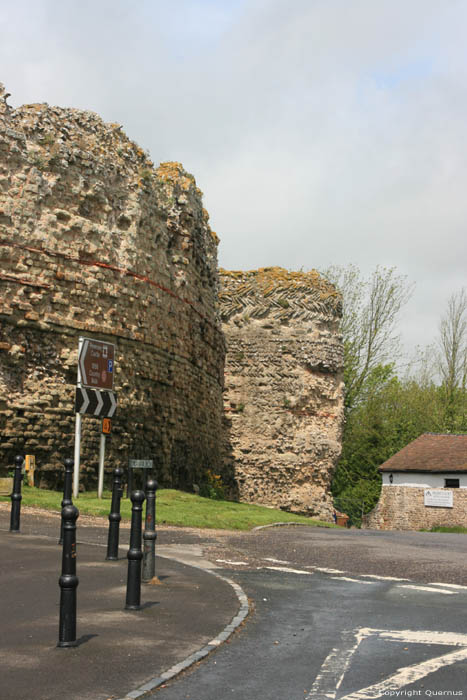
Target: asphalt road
x=336 y=614
x=344 y=615
x=319 y=637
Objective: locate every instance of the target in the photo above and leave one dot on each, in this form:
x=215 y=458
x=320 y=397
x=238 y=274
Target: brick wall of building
x=403 y=508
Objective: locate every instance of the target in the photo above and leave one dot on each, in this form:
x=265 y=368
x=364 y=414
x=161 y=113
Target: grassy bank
x=175 y=508
x=456 y=529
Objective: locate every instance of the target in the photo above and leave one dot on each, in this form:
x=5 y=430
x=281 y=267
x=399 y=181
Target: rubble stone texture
x=283 y=387
x=403 y=508
x=95 y=242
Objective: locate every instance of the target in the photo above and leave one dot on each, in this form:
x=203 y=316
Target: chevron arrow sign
x=93 y=402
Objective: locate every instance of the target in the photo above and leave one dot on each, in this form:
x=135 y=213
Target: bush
x=212 y=486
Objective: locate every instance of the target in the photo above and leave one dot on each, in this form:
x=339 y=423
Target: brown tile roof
x=430 y=452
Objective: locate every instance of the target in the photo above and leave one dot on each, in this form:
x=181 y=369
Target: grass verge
x=456 y=529
x=176 y=508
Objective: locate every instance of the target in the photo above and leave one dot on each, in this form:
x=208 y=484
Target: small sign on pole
x=96 y=364
x=94 y=396
x=106 y=426
x=30 y=466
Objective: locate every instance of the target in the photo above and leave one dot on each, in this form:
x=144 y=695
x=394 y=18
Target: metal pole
x=150 y=534
x=67 y=484
x=16 y=495
x=68 y=581
x=100 y=483
x=77 y=431
x=114 y=516
x=135 y=555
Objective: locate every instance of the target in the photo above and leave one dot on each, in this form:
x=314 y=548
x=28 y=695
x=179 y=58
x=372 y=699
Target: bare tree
x=370 y=311
x=452 y=360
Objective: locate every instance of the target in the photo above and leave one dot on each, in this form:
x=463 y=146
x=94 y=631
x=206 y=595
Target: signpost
x=96 y=364
x=94 y=396
x=138 y=464
x=30 y=466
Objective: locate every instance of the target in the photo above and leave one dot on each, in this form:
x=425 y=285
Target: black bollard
x=114 y=516
x=135 y=555
x=68 y=581
x=150 y=534
x=16 y=495
x=67 y=489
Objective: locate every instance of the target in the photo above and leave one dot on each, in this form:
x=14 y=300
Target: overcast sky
x=320 y=131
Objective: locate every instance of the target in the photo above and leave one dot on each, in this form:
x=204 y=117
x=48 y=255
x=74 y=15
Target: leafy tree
x=370 y=310
x=358 y=500
x=452 y=361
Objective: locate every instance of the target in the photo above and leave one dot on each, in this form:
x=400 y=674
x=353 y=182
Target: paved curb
x=263 y=527
x=204 y=651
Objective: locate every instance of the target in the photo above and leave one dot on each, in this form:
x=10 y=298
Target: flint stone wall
x=283 y=397
x=95 y=242
x=403 y=508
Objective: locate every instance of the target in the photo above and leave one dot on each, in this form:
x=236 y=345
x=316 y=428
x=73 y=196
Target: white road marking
x=289 y=571
x=335 y=666
x=332 y=672
x=232 y=563
x=275 y=561
x=407 y=675
x=352 y=580
x=427 y=589
x=326 y=571
x=383 y=578
x=449 y=585
x=451 y=639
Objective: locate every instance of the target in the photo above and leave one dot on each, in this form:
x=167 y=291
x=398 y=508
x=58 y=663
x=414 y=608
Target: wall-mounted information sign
x=438 y=498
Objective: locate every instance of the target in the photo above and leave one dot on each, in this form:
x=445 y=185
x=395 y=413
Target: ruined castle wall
x=283 y=396
x=95 y=242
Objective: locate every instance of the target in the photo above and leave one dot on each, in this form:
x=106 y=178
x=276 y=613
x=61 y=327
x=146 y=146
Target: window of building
x=451 y=483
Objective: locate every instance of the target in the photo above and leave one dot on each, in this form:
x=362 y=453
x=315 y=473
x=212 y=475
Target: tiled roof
x=431 y=452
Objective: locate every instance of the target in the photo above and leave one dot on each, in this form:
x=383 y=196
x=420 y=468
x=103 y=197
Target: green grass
x=456 y=529
x=176 y=508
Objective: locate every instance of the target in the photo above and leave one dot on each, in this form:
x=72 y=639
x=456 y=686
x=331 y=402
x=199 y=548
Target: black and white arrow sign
x=101 y=404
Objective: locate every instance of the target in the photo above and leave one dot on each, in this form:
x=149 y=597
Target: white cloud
x=321 y=131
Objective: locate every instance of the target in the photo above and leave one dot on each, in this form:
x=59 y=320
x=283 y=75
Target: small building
x=424 y=485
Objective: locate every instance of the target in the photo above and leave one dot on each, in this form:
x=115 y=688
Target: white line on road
x=449 y=585
x=289 y=571
x=352 y=580
x=427 y=589
x=383 y=578
x=275 y=561
x=407 y=675
x=232 y=563
x=335 y=666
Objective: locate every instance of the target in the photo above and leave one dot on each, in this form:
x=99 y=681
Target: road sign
x=30 y=466
x=97 y=364
x=106 y=426
x=93 y=402
x=140 y=463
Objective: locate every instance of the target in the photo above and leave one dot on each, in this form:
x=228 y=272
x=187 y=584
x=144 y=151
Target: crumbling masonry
x=95 y=241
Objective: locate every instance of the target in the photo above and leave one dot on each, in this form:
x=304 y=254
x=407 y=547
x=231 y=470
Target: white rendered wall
x=423 y=479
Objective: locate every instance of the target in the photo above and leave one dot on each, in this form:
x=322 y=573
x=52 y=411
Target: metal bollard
x=150 y=534
x=67 y=489
x=135 y=555
x=68 y=581
x=16 y=495
x=114 y=516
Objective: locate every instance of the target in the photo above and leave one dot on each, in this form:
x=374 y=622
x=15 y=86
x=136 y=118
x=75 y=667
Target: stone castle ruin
x=96 y=242
x=283 y=401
